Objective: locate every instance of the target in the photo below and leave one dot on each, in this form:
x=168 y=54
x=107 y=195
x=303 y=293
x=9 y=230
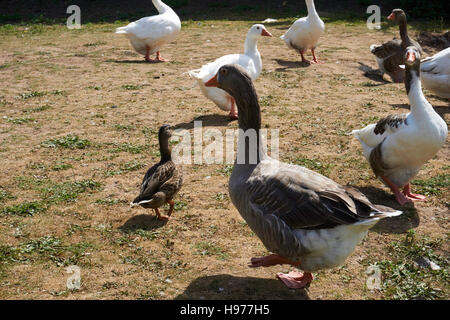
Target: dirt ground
x=89 y=83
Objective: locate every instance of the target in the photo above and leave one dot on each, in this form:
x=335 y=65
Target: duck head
x=165 y=132
x=397 y=16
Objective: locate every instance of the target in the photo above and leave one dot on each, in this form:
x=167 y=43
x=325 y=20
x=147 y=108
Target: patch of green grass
x=24 y=209
x=226 y=170
x=208 y=248
x=67 y=191
x=405 y=279
x=433 y=186
x=109 y=202
x=5 y=195
x=132 y=86
x=61 y=166
x=94 y=44
x=180 y=205
x=53 y=249
x=266 y=101
x=37 y=109
x=126 y=167
x=124 y=127
x=32 y=94
x=20 y=120
x=314 y=164
x=69 y=142
x=126 y=147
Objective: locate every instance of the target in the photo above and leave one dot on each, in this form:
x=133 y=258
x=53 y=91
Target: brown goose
x=162 y=181
x=304 y=218
x=391 y=54
x=399 y=145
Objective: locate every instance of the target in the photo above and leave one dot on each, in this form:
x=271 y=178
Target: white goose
x=304 y=33
x=398 y=145
x=435 y=73
x=250 y=60
x=149 y=34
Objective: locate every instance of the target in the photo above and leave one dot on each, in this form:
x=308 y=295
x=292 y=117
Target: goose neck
x=161 y=6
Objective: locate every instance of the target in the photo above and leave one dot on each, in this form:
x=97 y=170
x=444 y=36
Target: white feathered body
x=154 y=31
x=435 y=73
x=304 y=34
x=410 y=145
x=250 y=60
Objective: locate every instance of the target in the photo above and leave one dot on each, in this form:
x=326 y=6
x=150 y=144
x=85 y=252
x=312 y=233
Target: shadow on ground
x=143 y=221
x=401 y=224
x=225 y=286
x=209 y=120
x=290 y=64
x=372 y=74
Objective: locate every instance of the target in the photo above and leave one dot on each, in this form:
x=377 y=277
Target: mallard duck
x=250 y=60
x=435 y=73
x=306 y=219
x=162 y=181
x=304 y=33
x=149 y=34
x=390 y=55
x=398 y=145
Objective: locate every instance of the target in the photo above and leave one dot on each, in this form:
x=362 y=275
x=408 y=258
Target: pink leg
x=147 y=55
x=295 y=279
x=413 y=196
x=303 y=57
x=158 y=57
x=315 y=60
x=401 y=199
x=233 y=112
x=270 y=260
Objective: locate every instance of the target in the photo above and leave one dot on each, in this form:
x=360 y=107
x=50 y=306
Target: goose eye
x=257 y=28
x=223 y=71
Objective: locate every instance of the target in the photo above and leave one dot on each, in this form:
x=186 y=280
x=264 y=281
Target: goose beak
x=411 y=57
x=212 y=82
x=391 y=17
x=266 y=33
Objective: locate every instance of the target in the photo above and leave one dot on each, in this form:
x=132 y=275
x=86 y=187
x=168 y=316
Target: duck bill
x=212 y=82
x=391 y=17
x=410 y=57
x=266 y=33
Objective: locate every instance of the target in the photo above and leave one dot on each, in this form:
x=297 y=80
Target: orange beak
x=391 y=16
x=266 y=33
x=212 y=82
x=411 y=57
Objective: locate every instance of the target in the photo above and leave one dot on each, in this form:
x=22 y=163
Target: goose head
x=412 y=57
x=258 y=30
x=230 y=78
x=397 y=16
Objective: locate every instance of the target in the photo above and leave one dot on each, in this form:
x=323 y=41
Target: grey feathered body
x=302 y=215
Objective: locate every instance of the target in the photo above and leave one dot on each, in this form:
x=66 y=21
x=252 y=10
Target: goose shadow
x=372 y=74
x=290 y=64
x=228 y=287
x=128 y=61
x=441 y=110
x=209 y=120
x=409 y=219
x=142 y=221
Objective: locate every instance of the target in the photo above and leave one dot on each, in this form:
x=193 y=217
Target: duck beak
x=391 y=17
x=212 y=82
x=411 y=57
x=266 y=33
